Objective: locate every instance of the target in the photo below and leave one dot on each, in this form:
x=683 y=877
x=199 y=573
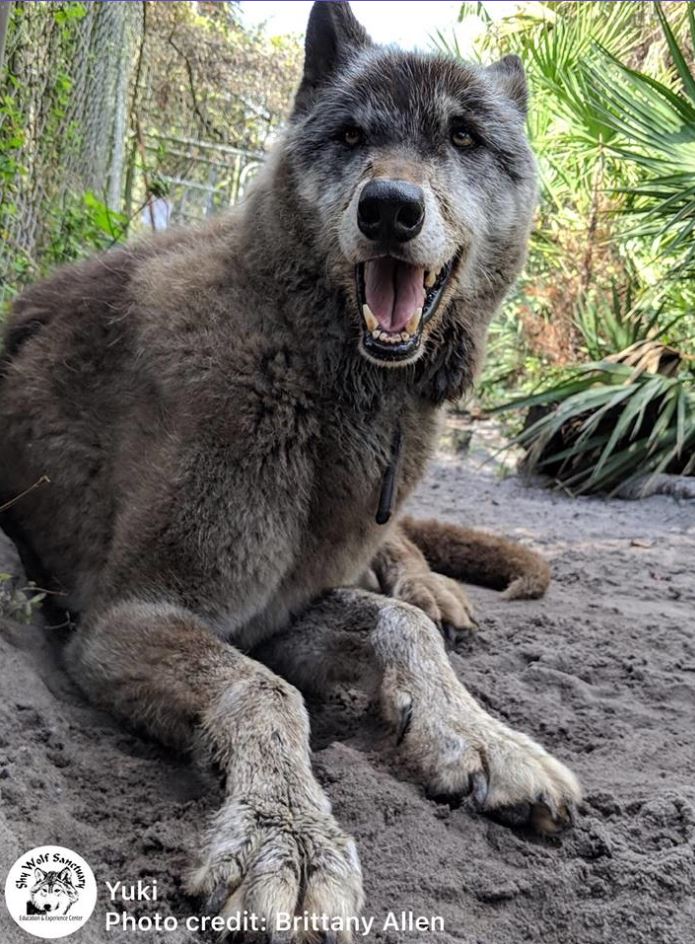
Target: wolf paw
x=457 y=749
x=274 y=861
x=442 y=599
x=455 y=746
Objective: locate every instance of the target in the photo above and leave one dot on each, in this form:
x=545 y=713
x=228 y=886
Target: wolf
x=52 y=893
x=231 y=419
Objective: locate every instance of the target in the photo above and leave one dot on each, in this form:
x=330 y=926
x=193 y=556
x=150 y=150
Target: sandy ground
x=602 y=671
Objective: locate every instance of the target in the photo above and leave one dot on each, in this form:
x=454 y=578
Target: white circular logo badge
x=50 y=892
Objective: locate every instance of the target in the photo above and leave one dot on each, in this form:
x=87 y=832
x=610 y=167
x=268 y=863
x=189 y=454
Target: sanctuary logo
x=50 y=892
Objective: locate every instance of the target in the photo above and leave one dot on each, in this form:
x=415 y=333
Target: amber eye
x=460 y=138
x=352 y=136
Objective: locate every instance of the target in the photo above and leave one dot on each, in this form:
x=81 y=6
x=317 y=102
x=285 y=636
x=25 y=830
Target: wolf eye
x=352 y=136
x=461 y=138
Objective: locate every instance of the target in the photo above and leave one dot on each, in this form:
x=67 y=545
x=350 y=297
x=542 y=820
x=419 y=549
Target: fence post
x=4 y=20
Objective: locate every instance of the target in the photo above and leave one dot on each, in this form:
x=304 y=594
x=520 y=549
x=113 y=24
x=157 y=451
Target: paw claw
x=404 y=723
x=517 y=816
x=216 y=900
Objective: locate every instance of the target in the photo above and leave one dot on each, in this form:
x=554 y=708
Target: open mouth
x=396 y=300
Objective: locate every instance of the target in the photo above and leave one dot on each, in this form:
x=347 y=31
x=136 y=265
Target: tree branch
x=207 y=124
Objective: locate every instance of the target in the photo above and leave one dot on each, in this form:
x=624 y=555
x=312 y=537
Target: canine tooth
x=369 y=319
x=430 y=278
x=414 y=321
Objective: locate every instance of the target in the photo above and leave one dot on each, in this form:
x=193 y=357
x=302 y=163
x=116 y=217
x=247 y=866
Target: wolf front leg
x=454 y=745
x=273 y=847
x=449 y=741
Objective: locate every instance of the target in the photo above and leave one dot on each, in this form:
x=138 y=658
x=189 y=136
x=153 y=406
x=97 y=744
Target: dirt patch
x=602 y=671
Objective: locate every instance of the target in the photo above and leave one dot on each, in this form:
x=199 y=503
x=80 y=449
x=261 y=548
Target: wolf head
x=418 y=177
x=53 y=892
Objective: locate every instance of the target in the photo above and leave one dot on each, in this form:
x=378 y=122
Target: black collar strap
x=388 y=483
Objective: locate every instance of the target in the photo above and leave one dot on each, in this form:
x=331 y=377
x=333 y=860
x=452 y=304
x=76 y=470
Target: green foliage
x=29 y=132
x=109 y=105
x=625 y=317
x=608 y=425
x=84 y=223
x=651 y=125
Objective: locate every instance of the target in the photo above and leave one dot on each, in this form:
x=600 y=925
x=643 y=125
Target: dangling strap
x=388 y=484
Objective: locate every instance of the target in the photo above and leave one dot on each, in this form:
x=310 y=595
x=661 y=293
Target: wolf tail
x=480 y=558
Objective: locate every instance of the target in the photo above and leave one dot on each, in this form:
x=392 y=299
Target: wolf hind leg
x=403 y=573
x=480 y=558
x=273 y=847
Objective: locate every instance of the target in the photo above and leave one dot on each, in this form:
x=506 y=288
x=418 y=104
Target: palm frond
x=613 y=422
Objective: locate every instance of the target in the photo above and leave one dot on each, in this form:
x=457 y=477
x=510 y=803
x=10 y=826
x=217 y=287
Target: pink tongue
x=394 y=291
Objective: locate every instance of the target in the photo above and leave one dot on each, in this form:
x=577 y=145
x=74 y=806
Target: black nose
x=391 y=210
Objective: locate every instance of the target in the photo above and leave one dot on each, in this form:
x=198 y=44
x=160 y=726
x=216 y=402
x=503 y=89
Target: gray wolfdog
x=52 y=892
x=227 y=417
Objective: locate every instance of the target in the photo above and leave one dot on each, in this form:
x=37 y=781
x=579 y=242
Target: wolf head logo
x=418 y=179
x=53 y=893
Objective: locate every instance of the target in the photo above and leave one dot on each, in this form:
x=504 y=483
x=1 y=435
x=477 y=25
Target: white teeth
x=430 y=278
x=396 y=337
x=388 y=338
x=369 y=319
x=413 y=322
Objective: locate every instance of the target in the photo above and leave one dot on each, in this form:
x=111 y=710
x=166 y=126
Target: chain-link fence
x=121 y=113
x=65 y=94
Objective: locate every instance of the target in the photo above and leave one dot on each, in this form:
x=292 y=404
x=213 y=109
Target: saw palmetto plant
x=651 y=125
x=614 y=423
x=629 y=414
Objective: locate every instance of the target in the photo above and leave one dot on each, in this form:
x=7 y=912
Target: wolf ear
x=65 y=875
x=39 y=875
x=511 y=78
x=333 y=37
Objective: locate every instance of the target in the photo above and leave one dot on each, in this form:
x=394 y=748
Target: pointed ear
x=39 y=875
x=65 y=875
x=511 y=78
x=333 y=37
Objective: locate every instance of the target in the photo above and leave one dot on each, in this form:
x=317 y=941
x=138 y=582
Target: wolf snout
x=391 y=211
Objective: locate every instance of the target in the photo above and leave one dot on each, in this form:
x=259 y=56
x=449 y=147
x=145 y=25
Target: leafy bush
x=610 y=424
